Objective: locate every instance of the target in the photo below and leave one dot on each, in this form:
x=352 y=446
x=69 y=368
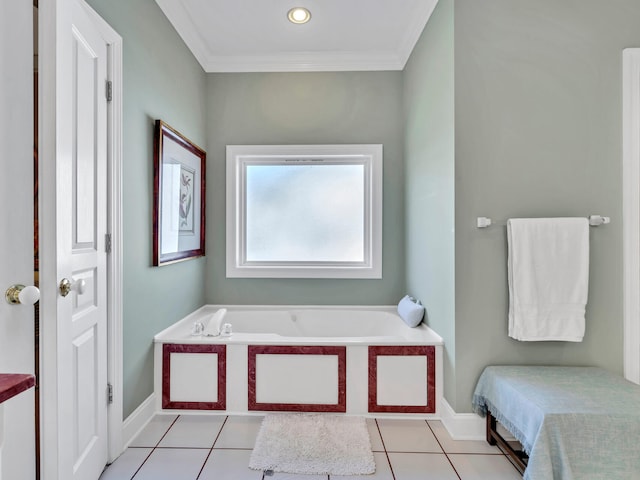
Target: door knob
x=67 y=286
x=20 y=295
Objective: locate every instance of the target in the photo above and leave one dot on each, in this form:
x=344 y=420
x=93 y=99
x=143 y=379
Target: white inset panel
x=194 y=377
x=310 y=379
x=402 y=380
x=86 y=391
x=85 y=143
x=357 y=379
x=237 y=378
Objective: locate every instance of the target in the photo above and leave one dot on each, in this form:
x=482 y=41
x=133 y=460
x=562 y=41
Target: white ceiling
x=255 y=35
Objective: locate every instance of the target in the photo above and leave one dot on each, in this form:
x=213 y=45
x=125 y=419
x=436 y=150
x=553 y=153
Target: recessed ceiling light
x=299 y=15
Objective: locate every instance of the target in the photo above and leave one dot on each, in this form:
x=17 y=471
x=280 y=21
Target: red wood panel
x=429 y=352
x=221 y=350
x=11 y=384
x=340 y=352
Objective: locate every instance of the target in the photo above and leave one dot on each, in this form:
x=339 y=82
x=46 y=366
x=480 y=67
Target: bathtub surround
x=353 y=360
x=313 y=444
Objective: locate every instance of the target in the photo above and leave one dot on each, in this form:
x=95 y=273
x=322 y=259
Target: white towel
x=548 y=271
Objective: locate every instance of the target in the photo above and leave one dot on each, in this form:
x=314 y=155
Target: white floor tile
x=422 y=466
x=229 y=464
x=193 y=431
x=481 y=467
x=153 y=432
x=383 y=471
x=126 y=464
x=173 y=464
x=239 y=432
x=408 y=436
x=374 y=435
x=415 y=453
x=449 y=445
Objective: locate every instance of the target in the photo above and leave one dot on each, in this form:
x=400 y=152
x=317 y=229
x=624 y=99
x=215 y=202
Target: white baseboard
x=462 y=426
x=135 y=422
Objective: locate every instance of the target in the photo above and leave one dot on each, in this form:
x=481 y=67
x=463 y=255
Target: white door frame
x=49 y=13
x=114 y=226
x=631 y=211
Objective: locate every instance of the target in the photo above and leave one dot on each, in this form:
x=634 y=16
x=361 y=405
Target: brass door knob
x=20 y=295
x=66 y=286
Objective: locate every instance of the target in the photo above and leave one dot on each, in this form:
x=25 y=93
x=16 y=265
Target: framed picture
x=178 y=196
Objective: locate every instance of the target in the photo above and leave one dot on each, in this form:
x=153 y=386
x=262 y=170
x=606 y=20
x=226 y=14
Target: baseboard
x=135 y=422
x=462 y=426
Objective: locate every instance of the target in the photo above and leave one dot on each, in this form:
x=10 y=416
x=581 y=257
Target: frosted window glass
x=305 y=212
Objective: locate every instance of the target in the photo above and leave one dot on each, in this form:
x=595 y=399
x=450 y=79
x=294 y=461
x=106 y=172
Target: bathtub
x=352 y=360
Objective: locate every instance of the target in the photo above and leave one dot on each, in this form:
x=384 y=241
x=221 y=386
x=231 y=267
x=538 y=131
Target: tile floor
x=197 y=447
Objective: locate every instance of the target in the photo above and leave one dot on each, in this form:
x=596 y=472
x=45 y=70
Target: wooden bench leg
x=518 y=458
x=491 y=427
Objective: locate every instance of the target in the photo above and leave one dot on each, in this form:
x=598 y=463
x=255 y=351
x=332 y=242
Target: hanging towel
x=548 y=270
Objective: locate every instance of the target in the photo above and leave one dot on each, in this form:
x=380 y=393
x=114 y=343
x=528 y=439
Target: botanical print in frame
x=179 y=197
x=187 y=184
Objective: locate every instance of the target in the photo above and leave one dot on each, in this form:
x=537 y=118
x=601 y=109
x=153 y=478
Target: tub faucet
x=214 y=324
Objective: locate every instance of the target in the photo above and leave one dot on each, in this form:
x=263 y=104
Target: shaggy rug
x=313 y=444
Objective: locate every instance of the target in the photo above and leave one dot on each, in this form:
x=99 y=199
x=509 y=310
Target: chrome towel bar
x=594 y=221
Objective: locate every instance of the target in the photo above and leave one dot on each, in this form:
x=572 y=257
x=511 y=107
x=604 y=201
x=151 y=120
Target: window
x=304 y=211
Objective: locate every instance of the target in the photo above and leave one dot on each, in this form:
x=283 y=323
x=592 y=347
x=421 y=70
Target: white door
x=17 y=419
x=73 y=228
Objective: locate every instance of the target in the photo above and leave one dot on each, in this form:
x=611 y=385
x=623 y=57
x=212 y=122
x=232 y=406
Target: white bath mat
x=313 y=444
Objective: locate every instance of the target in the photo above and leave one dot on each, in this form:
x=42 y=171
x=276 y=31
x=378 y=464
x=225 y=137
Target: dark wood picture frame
x=179 y=168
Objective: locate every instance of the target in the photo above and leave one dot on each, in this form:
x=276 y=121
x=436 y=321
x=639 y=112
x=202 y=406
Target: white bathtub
x=354 y=360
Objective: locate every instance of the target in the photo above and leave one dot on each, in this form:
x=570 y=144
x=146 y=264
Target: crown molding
x=418 y=21
x=303 y=62
x=182 y=22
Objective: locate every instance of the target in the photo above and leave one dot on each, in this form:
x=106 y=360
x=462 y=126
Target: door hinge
x=107 y=243
x=109 y=393
x=109 y=91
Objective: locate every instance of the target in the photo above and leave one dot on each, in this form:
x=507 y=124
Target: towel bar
x=594 y=221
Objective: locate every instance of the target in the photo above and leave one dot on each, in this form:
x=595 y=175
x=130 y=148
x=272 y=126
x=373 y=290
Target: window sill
x=234 y=271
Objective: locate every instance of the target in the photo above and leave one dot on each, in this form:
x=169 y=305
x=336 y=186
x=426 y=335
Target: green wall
x=161 y=80
x=306 y=108
x=429 y=185
x=538 y=133
x=529 y=125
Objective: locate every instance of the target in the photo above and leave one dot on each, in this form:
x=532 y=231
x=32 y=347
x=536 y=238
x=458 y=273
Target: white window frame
x=238 y=156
